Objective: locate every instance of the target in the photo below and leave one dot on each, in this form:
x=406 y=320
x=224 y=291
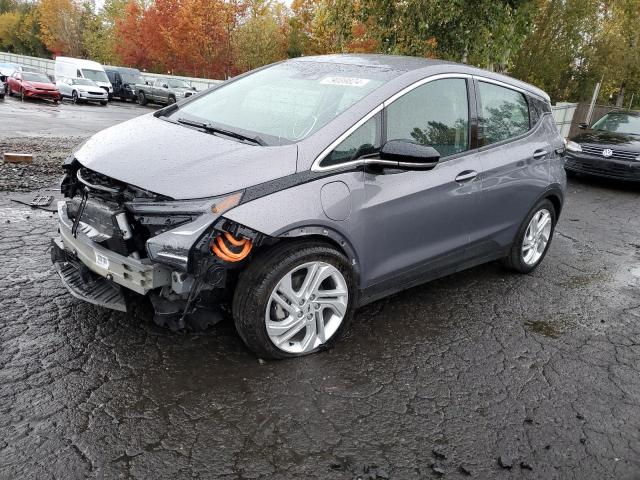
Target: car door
x=418 y=221
x=514 y=155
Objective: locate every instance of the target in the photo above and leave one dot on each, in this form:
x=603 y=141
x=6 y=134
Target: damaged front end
x=117 y=238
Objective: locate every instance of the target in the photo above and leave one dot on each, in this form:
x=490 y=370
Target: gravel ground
x=48 y=155
x=483 y=374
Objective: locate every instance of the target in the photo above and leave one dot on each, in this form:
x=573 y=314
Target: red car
x=33 y=85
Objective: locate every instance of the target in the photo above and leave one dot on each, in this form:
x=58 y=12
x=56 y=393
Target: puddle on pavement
x=551 y=327
x=581 y=281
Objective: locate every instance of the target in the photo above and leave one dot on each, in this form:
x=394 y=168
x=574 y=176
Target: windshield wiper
x=210 y=128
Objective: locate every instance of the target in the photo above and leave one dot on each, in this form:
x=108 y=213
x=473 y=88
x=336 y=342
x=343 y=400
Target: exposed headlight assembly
x=172 y=247
x=573 y=146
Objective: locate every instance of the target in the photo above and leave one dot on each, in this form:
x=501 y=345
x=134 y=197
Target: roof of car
x=403 y=64
x=392 y=62
x=121 y=69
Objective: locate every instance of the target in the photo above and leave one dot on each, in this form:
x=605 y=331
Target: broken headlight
x=172 y=247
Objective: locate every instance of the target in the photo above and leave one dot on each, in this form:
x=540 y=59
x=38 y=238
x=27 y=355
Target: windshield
x=618 y=123
x=35 y=77
x=82 y=81
x=178 y=84
x=95 y=75
x=131 y=78
x=286 y=102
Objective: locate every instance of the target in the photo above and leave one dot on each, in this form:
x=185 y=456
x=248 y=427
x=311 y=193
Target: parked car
x=66 y=67
x=164 y=91
x=33 y=85
x=82 y=90
x=609 y=148
x=124 y=82
x=300 y=191
x=2 y=89
x=6 y=70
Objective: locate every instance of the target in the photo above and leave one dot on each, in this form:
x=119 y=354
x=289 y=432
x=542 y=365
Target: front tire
x=142 y=99
x=533 y=238
x=296 y=299
x=74 y=97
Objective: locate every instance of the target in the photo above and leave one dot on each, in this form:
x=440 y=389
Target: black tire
x=10 y=92
x=142 y=98
x=515 y=260
x=103 y=103
x=22 y=94
x=258 y=280
x=171 y=100
x=74 y=96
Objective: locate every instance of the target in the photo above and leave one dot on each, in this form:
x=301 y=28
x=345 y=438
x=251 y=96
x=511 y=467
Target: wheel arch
x=556 y=197
x=328 y=235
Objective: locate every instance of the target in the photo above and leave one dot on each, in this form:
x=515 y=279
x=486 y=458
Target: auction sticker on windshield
x=102 y=261
x=345 y=81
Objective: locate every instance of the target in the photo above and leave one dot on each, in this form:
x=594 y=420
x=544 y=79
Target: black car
x=124 y=80
x=609 y=148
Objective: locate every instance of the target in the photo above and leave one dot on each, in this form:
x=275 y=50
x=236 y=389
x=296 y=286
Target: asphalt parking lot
x=36 y=118
x=484 y=374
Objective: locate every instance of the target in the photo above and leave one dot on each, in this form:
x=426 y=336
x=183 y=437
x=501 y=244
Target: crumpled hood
x=182 y=162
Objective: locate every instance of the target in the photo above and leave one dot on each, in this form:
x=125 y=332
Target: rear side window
x=434 y=114
x=364 y=141
x=504 y=114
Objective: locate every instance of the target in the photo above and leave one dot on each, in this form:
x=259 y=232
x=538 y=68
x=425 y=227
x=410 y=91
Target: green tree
x=261 y=38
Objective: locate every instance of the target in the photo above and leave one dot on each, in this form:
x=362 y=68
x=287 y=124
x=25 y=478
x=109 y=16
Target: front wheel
x=74 y=96
x=296 y=299
x=533 y=238
x=142 y=99
x=103 y=103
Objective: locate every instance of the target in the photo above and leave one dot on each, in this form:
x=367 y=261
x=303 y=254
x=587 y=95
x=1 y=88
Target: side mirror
x=583 y=126
x=164 y=85
x=147 y=83
x=193 y=88
x=407 y=155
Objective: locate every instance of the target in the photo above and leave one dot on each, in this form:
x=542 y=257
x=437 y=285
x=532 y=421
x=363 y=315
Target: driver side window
x=365 y=140
x=434 y=114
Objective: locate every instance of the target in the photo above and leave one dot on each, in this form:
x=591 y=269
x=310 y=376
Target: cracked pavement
x=459 y=378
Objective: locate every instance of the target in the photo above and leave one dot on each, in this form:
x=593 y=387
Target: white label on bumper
x=102 y=261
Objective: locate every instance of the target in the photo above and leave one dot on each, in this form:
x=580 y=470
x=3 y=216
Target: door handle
x=538 y=154
x=466 y=176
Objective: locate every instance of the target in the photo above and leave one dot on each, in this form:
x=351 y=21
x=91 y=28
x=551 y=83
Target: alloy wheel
x=536 y=238
x=306 y=307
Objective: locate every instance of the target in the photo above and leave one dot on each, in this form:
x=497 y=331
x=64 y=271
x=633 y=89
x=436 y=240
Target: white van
x=67 y=67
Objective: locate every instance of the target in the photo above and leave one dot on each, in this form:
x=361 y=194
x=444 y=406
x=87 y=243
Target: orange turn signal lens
x=226 y=203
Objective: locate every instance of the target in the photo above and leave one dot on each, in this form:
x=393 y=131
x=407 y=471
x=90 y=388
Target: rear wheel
x=172 y=99
x=533 y=238
x=142 y=99
x=295 y=300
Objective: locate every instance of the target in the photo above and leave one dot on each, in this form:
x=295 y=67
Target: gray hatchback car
x=297 y=192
